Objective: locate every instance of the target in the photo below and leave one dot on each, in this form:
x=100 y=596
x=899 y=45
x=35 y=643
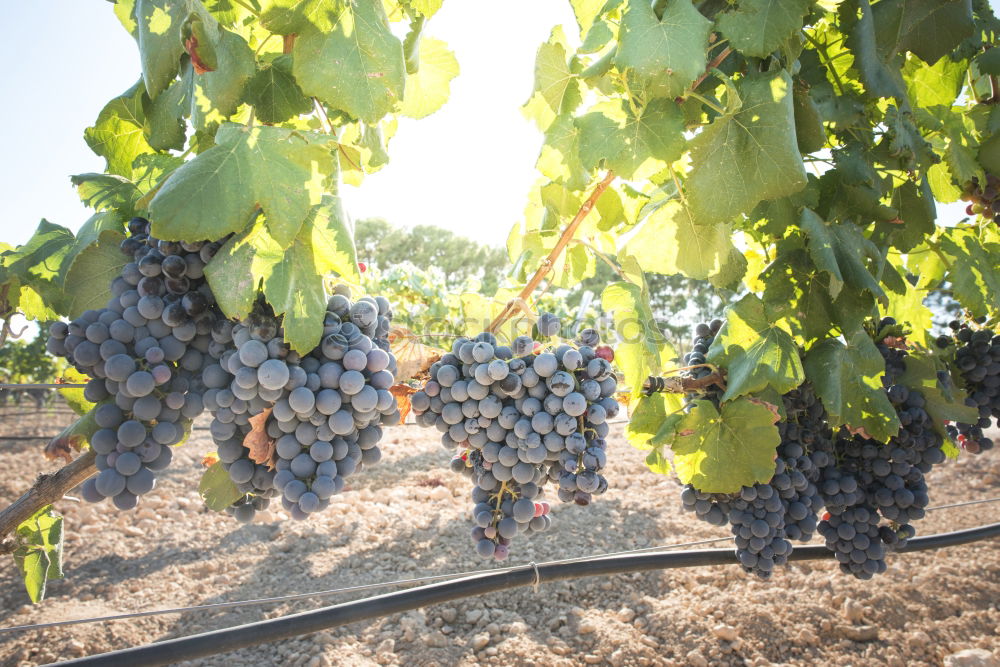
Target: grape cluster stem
x=550 y=261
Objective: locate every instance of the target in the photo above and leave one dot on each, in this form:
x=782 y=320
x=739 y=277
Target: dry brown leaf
x=770 y=406
x=860 y=430
x=260 y=444
x=412 y=356
x=62 y=447
x=210 y=459
x=402 y=392
x=898 y=342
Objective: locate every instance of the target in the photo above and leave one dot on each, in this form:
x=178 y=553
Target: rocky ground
x=406 y=518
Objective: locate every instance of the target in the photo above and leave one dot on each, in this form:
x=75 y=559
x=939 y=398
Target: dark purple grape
x=174 y=315
x=129 y=246
x=149 y=265
x=177 y=285
x=208 y=251
x=174 y=266
x=194 y=303
x=150 y=286
x=138 y=225
x=169 y=247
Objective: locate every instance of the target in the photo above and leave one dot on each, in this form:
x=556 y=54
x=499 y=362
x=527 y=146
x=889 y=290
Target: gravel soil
x=406 y=517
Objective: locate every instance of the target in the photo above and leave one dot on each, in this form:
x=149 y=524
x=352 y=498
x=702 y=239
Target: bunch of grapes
x=983 y=200
x=326 y=406
x=145 y=352
x=765 y=518
x=977 y=359
x=874 y=480
x=872 y=491
x=520 y=416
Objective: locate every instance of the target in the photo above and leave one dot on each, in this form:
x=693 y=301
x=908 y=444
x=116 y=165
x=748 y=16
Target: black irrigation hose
x=294 y=625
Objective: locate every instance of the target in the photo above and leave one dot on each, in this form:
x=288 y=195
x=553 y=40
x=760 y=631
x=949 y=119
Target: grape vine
x=790 y=153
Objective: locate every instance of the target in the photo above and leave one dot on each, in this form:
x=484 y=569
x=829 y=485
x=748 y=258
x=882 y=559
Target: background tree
x=383 y=245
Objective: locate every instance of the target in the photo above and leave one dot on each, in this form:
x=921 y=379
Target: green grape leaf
x=292 y=278
x=42 y=256
x=847 y=377
x=775 y=216
x=664 y=54
x=118 y=135
x=239 y=266
x=107 y=192
x=347 y=56
x=39 y=553
x=720 y=452
x=274 y=94
x=165 y=127
x=557 y=89
x=295 y=286
x=217 y=488
x=943 y=188
x=74 y=396
x=928 y=28
x=909 y=308
x=756 y=351
x=944 y=401
x=161 y=43
x=88 y=280
x=329 y=231
x=988 y=62
x=559 y=159
x=289 y=17
x=745 y=157
x=989 y=154
x=635 y=147
x=917 y=215
x=586 y=13
x=125 y=12
x=426 y=7
x=648 y=419
x=429 y=88
x=651 y=427
x=840 y=249
x=217 y=93
x=809 y=131
x=758 y=27
x=878 y=67
x=90 y=231
x=933 y=85
x=670 y=241
x=597 y=37
x=974 y=273
x=278 y=170
x=642 y=349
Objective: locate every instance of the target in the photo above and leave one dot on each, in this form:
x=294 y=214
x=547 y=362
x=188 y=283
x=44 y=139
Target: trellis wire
x=394 y=584
x=53 y=385
x=294 y=625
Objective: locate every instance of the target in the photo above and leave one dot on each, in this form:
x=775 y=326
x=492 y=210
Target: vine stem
x=707 y=102
x=549 y=261
x=607 y=260
x=46 y=490
x=715 y=62
x=323 y=118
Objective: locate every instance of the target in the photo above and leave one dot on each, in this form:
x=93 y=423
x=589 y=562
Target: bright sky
x=467 y=168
